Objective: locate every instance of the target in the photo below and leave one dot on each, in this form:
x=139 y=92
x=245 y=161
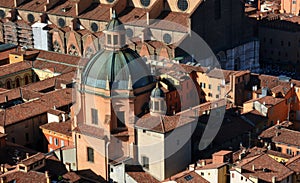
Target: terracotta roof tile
x=294 y=164
x=33 y=5
x=72 y=177
x=265 y=162
x=62 y=127
x=13 y=68
x=89 y=130
x=27 y=110
x=137 y=173
x=279 y=134
x=162 y=124
x=97 y=12
x=188 y=176
x=7 y=4
x=25 y=177
x=69 y=5
x=33 y=159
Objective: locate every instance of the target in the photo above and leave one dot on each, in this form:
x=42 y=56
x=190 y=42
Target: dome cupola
x=157 y=103
x=116 y=65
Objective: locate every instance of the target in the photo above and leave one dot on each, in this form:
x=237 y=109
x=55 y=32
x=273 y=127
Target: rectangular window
x=94 y=116
x=121 y=119
x=116 y=39
x=50 y=140
x=217 y=9
x=123 y=40
x=145 y=162
x=156 y=105
x=217 y=96
x=203 y=85
x=56 y=141
x=289 y=151
x=108 y=39
x=62 y=143
x=209 y=86
x=90 y=154
x=27 y=137
x=219 y=88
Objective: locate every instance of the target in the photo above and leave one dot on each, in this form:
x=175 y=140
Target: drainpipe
x=106 y=160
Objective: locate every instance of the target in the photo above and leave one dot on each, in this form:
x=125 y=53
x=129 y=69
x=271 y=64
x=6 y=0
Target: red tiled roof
x=188 y=176
x=25 y=177
x=162 y=124
x=13 y=68
x=72 y=177
x=294 y=164
x=211 y=166
x=7 y=4
x=264 y=162
x=32 y=159
x=279 y=134
x=33 y=5
x=89 y=130
x=27 y=110
x=137 y=173
x=62 y=127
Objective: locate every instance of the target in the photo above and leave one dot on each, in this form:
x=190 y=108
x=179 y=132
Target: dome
x=120 y=68
x=115 y=24
x=157 y=93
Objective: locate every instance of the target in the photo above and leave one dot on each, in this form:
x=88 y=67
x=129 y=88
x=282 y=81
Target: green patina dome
x=157 y=93
x=121 y=68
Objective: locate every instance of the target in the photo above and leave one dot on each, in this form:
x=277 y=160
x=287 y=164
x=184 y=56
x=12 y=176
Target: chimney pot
x=253 y=167
x=27 y=155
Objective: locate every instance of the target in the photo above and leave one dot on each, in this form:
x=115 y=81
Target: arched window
x=17 y=82
x=26 y=79
x=8 y=84
x=56 y=47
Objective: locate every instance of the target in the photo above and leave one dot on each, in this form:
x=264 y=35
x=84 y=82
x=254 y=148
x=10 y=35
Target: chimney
x=44 y=18
x=253 y=167
x=6 y=98
x=47 y=177
x=13 y=14
x=27 y=155
x=277 y=133
x=274 y=179
x=203 y=163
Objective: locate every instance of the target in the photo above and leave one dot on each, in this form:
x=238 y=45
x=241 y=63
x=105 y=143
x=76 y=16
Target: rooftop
x=62 y=127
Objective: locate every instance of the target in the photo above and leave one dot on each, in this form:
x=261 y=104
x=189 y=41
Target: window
x=121 y=119
x=56 y=141
x=62 y=143
x=50 y=140
x=26 y=79
x=203 y=85
x=219 y=88
x=2 y=14
x=209 y=86
x=232 y=175
x=217 y=96
x=116 y=37
x=30 y=18
x=8 y=84
x=61 y=22
x=156 y=105
x=242 y=178
x=17 y=82
x=289 y=151
x=145 y=3
x=90 y=154
x=94 y=27
x=209 y=94
x=145 y=162
x=123 y=39
x=94 y=116
x=202 y=173
x=294 y=1
x=188 y=177
x=167 y=38
x=217 y=7
x=182 y=5
x=27 y=137
x=108 y=39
